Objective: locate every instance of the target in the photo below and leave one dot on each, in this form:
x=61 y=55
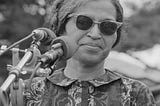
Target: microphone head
x=45 y=35
x=69 y=46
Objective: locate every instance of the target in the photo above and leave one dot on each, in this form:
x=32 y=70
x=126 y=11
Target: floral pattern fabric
x=109 y=89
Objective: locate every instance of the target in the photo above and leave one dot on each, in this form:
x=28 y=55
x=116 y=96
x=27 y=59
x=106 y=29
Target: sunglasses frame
x=119 y=24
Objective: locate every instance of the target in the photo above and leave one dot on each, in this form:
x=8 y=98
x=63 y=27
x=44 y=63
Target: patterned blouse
x=109 y=89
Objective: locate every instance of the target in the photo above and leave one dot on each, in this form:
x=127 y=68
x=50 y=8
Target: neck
x=76 y=70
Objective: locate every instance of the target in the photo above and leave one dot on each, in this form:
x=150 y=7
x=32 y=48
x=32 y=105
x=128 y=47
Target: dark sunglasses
x=106 y=27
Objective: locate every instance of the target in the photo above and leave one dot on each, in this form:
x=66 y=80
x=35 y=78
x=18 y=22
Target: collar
x=60 y=79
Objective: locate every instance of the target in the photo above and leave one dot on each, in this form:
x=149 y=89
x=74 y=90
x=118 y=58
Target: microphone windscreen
x=69 y=46
x=50 y=35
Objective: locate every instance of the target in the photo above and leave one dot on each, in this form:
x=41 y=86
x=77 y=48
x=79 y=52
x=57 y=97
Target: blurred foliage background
x=143 y=26
x=19 y=18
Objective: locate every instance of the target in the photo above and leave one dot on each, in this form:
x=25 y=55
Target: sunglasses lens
x=108 y=28
x=84 y=22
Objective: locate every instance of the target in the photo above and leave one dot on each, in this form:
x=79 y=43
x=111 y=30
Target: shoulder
x=132 y=85
x=39 y=85
x=137 y=91
x=130 y=82
x=135 y=86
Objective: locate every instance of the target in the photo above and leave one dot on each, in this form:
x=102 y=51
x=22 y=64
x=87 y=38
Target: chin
x=91 y=60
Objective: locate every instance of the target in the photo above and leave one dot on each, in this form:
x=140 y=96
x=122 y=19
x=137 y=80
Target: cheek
x=115 y=39
x=73 y=32
x=70 y=28
x=110 y=40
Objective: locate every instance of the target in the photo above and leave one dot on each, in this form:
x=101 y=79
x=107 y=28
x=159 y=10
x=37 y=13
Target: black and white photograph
x=79 y=52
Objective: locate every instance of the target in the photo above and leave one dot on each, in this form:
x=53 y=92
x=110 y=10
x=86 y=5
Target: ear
x=118 y=37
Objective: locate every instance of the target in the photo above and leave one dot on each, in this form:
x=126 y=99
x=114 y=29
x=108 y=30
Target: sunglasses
x=106 y=27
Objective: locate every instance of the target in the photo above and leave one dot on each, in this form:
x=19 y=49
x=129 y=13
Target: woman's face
x=94 y=45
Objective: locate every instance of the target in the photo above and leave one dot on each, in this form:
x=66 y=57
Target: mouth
x=92 y=45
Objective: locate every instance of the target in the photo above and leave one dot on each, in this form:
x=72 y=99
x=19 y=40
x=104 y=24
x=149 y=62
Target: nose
x=94 y=32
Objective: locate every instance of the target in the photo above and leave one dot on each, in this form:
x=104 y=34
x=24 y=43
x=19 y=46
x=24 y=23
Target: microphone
x=44 y=35
x=63 y=48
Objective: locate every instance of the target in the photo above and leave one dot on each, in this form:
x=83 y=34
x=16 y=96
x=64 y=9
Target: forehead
x=99 y=9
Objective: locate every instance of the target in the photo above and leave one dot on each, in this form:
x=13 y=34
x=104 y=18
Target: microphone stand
x=14 y=73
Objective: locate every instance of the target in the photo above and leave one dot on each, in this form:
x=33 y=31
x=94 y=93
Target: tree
x=143 y=29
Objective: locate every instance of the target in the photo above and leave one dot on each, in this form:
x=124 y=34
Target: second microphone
x=62 y=48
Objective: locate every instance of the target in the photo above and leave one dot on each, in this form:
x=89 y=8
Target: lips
x=93 y=45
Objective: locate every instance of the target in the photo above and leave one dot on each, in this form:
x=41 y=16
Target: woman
x=95 y=26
